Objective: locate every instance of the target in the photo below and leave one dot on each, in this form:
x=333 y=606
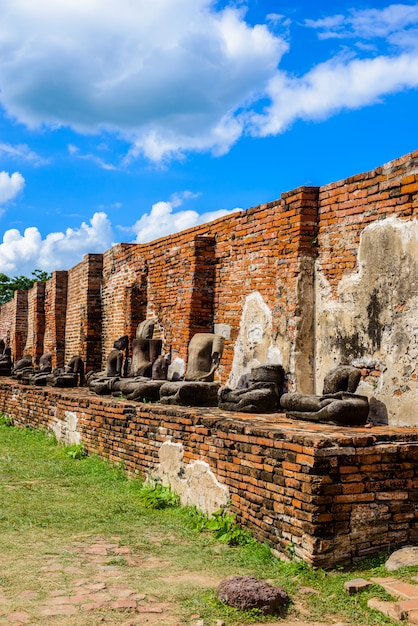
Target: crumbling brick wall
x=332 y=269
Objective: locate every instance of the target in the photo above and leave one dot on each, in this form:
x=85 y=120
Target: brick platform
x=335 y=494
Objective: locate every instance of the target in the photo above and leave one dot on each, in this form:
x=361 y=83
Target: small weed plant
x=5 y=420
x=153 y=495
x=76 y=451
x=223 y=525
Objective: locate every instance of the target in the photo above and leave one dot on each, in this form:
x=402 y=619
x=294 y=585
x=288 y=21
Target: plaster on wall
x=374 y=318
x=195 y=483
x=255 y=343
x=66 y=430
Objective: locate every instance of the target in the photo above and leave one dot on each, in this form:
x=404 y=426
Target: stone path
x=103 y=596
x=94 y=589
x=90 y=583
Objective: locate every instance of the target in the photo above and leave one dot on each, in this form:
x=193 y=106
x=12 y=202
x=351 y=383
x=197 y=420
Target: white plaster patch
x=224 y=330
x=374 y=318
x=176 y=369
x=195 y=483
x=65 y=430
x=254 y=345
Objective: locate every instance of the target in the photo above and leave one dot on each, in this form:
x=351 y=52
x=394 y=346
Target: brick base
x=335 y=494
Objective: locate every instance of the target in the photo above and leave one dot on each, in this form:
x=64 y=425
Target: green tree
x=9 y=285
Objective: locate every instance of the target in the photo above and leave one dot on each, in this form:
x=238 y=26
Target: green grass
x=50 y=498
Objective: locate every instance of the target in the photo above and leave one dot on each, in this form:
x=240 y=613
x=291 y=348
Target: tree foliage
x=8 y=286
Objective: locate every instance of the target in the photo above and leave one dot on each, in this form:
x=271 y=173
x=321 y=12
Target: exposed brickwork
x=336 y=494
x=36 y=321
x=14 y=323
x=84 y=318
x=55 y=317
x=348 y=206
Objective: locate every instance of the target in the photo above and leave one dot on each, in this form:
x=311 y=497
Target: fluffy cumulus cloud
x=10 y=186
x=331 y=87
x=22 y=253
x=172 y=76
x=351 y=79
x=163 y=219
x=168 y=73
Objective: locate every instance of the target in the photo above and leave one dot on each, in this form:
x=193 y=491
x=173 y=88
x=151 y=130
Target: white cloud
x=163 y=220
x=174 y=76
x=332 y=86
x=368 y=23
x=169 y=75
x=22 y=152
x=21 y=254
x=10 y=186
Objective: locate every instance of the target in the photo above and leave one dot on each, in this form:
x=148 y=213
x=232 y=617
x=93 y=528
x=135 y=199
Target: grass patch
x=53 y=497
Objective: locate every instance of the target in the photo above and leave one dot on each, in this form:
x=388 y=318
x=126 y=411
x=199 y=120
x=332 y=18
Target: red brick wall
x=14 y=323
x=124 y=294
x=55 y=317
x=348 y=206
x=84 y=319
x=335 y=494
x=36 y=321
x=192 y=280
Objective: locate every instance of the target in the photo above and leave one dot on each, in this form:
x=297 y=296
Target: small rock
x=356 y=585
x=246 y=592
x=405 y=557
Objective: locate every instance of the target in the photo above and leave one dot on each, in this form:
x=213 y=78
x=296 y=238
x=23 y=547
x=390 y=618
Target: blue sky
x=129 y=120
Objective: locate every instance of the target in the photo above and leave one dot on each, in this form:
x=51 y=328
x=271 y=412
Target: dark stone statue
x=204 y=355
x=198 y=388
x=69 y=376
x=145 y=350
x=146 y=364
x=45 y=368
x=115 y=365
x=259 y=393
x=338 y=403
x=22 y=366
x=342 y=408
x=342 y=378
x=6 y=362
x=116 y=357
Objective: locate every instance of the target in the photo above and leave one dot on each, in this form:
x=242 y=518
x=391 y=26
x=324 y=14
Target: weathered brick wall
x=14 y=323
x=332 y=269
x=346 y=207
x=83 y=316
x=124 y=294
x=36 y=321
x=7 y=321
x=334 y=494
x=366 y=277
x=55 y=317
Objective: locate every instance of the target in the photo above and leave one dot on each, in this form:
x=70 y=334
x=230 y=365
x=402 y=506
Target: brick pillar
x=55 y=316
x=19 y=330
x=302 y=203
x=83 y=325
x=36 y=321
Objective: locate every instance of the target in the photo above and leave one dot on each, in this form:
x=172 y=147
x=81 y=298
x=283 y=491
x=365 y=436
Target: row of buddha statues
x=147 y=377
